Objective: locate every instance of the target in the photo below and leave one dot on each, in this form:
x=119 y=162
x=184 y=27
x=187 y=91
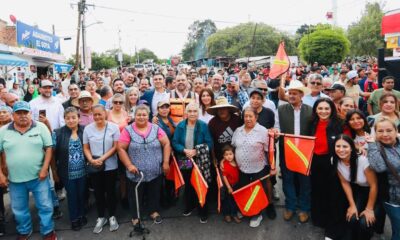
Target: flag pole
x=295 y=136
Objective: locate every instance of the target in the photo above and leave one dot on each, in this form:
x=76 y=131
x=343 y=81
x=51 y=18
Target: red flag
x=219 y=185
x=175 y=175
x=281 y=62
x=251 y=199
x=298 y=153
x=199 y=184
x=271 y=150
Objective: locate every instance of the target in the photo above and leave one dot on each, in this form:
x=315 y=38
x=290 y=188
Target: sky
x=162 y=26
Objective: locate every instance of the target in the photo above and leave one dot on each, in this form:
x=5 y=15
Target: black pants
x=191 y=199
x=104 y=191
x=151 y=190
x=229 y=206
x=321 y=177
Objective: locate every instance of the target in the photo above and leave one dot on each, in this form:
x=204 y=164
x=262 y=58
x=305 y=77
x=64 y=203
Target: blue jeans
x=76 y=190
x=292 y=200
x=19 y=194
x=394 y=216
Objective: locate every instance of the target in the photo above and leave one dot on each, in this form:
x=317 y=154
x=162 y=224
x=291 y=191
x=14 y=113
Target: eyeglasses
x=118 y=102
x=263 y=89
x=316 y=83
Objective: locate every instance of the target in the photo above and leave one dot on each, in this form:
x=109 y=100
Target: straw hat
x=221 y=102
x=297 y=85
x=82 y=95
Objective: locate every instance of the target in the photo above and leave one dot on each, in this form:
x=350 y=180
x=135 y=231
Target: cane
x=139 y=229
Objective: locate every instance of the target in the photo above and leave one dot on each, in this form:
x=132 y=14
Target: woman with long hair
x=117 y=114
x=31 y=93
x=325 y=126
x=389 y=106
x=360 y=186
x=132 y=97
x=206 y=99
x=357 y=128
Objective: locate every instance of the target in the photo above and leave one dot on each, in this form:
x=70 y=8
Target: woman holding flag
x=251 y=142
x=192 y=140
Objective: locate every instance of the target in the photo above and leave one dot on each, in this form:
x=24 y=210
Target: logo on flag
x=251 y=199
x=199 y=184
x=281 y=62
x=298 y=159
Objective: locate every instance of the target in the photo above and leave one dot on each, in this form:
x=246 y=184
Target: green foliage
x=237 y=41
x=144 y=54
x=103 y=60
x=365 y=35
x=325 y=45
x=195 y=47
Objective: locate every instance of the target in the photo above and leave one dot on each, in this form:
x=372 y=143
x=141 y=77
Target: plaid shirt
x=239 y=99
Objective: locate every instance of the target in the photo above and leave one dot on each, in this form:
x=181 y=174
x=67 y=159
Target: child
x=230 y=176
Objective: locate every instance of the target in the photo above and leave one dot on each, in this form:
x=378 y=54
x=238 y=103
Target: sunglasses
x=118 y=102
x=263 y=89
x=316 y=83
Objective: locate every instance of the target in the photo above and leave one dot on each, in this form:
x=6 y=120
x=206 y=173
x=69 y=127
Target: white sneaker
x=113 y=224
x=255 y=221
x=99 y=225
x=61 y=195
x=275 y=194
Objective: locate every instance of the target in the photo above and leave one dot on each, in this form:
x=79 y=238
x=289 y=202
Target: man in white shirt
x=156 y=95
x=48 y=106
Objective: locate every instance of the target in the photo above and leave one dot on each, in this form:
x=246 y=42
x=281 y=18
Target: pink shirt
x=126 y=138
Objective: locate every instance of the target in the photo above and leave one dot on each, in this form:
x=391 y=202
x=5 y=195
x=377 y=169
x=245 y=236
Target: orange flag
x=199 y=184
x=175 y=175
x=271 y=150
x=219 y=185
x=281 y=62
x=251 y=199
x=298 y=153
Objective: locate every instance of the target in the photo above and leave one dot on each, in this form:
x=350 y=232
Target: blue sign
x=62 y=67
x=31 y=37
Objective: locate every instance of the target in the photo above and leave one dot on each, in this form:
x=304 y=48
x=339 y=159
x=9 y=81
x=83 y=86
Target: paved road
x=175 y=226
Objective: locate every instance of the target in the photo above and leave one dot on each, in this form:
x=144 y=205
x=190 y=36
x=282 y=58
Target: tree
x=325 y=45
x=144 y=54
x=195 y=47
x=238 y=41
x=365 y=35
x=103 y=60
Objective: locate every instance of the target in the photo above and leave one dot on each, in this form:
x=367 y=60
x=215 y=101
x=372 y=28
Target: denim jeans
x=19 y=194
x=76 y=190
x=394 y=216
x=292 y=200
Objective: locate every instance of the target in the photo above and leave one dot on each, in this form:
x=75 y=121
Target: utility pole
x=83 y=42
x=81 y=11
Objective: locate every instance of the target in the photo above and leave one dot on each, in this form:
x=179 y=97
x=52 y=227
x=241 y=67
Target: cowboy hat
x=221 y=102
x=297 y=85
x=82 y=95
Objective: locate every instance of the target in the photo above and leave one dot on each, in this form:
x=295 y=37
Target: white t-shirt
x=360 y=141
x=206 y=117
x=362 y=164
x=157 y=97
x=54 y=110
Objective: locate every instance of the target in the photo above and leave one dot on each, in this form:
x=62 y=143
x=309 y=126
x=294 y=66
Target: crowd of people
x=97 y=131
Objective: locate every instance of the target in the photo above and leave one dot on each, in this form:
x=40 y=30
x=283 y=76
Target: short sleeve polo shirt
x=24 y=152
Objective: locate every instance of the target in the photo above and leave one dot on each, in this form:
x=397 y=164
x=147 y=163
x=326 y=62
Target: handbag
x=90 y=168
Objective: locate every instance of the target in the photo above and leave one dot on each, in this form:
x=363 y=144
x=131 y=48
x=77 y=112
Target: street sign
x=32 y=37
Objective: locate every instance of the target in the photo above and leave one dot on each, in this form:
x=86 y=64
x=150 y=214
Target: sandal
x=237 y=220
x=157 y=218
x=228 y=219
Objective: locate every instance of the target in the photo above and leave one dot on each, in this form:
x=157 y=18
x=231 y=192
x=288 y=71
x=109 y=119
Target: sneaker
x=57 y=214
x=303 y=217
x=275 y=193
x=83 y=221
x=287 y=215
x=24 y=236
x=255 y=221
x=50 y=236
x=271 y=212
x=157 y=219
x=187 y=213
x=2 y=229
x=203 y=220
x=113 y=224
x=99 y=225
x=61 y=194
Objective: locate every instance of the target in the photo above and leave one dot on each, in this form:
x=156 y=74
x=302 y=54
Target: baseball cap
x=21 y=106
x=352 y=74
x=256 y=91
x=336 y=87
x=162 y=103
x=46 y=83
x=6 y=108
x=232 y=79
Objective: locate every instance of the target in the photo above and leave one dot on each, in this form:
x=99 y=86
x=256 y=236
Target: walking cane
x=139 y=229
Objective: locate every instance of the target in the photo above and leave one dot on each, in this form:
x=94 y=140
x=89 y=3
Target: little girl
x=230 y=175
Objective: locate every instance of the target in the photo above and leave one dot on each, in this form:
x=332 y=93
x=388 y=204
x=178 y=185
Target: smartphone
x=42 y=112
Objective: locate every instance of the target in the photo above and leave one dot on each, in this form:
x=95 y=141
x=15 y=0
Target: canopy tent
x=11 y=60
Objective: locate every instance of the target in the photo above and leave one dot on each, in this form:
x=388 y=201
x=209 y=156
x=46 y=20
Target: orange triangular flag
x=281 y=62
x=271 y=150
x=251 y=199
x=219 y=185
x=298 y=153
x=199 y=184
x=175 y=174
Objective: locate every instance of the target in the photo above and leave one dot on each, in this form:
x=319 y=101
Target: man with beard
x=216 y=85
x=73 y=92
x=180 y=98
